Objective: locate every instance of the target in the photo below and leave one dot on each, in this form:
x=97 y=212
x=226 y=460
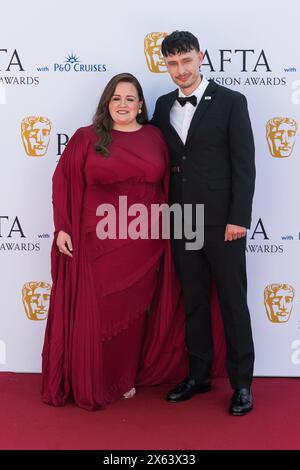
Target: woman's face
x=124 y=104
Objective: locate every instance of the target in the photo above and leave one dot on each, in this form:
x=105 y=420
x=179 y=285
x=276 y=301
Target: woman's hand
x=64 y=243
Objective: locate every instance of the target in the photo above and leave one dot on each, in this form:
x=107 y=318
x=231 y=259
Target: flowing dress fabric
x=116 y=317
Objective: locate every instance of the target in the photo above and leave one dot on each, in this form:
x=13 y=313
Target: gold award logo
x=152 y=49
x=278 y=300
x=35 y=132
x=281 y=136
x=35 y=297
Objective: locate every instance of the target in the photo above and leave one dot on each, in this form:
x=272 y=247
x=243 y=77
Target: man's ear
x=200 y=56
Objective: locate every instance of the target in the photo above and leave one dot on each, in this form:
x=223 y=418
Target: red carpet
x=148 y=422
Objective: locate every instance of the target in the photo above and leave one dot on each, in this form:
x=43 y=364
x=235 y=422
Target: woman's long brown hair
x=103 y=122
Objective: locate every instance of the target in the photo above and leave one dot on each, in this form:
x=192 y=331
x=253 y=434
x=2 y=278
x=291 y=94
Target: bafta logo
x=35 y=131
x=281 y=133
x=152 y=49
x=35 y=297
x=279 y=302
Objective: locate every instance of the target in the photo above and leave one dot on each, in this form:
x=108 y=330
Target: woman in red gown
x=115 y=318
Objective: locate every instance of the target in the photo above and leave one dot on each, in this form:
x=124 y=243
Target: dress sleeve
x=68 y=182
x=68 y=192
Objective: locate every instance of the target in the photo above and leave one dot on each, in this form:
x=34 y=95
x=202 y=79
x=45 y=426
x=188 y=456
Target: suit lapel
x=170 y=99
x=202 y=107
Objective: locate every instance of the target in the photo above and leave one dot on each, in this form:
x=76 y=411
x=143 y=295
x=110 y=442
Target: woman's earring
x=140 y=110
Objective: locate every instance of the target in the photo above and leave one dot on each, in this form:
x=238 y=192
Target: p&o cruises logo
x=72 y=63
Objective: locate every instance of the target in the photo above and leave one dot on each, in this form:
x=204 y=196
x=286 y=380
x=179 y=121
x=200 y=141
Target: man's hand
x=233 y=232
x=64 y=243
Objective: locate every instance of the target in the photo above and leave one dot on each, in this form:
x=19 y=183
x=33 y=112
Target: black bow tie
x=191 y=99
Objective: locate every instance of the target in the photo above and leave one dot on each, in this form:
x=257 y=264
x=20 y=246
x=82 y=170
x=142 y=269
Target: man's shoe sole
x=240 y=413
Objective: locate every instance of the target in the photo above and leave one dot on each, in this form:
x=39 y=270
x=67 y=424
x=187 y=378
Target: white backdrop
x=42 y=46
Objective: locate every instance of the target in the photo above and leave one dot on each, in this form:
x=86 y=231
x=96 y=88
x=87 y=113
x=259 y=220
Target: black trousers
x=226 y=262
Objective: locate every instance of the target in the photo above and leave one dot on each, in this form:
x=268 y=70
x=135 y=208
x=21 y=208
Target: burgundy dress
x=116 y=317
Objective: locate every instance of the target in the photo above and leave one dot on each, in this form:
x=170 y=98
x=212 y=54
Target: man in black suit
x=208 y=132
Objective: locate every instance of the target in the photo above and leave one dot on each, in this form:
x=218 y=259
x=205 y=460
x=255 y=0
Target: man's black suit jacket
x=216 y=165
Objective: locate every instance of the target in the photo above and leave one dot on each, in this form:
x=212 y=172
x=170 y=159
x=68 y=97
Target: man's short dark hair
x=178 y=42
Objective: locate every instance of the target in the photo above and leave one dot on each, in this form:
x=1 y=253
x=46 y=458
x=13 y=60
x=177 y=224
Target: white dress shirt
x=181 y=116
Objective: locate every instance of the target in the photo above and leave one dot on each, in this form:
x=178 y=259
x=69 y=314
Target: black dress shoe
x=241 y=402
x=187 y=389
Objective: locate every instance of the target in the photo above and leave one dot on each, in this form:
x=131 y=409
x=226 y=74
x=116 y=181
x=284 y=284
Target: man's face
x=282 y=140
x=37 y=303
x=279 y=305
x=184 y=69
x=36 y=138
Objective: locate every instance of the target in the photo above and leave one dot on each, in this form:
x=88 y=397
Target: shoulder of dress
x=86 y=134
x=154 y=131
x=150 y=127
x=86 y=131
